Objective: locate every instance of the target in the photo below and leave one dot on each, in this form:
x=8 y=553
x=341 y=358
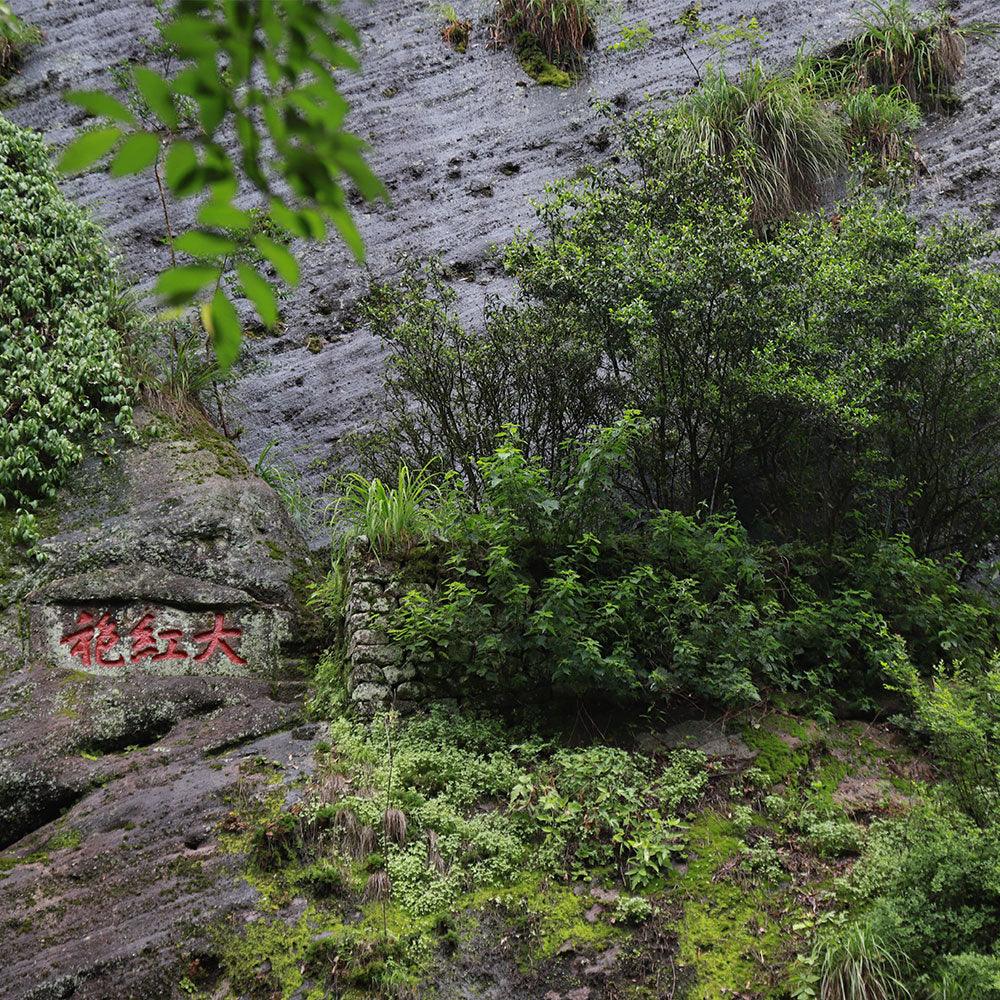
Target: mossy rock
x=536 y=64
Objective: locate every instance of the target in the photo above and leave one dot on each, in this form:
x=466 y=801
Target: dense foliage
x=62 y=371
x=553 y=582
x=817 y=378
x=923 y=904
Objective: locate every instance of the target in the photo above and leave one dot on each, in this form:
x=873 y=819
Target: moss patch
x=534 y=62
x=728 y=938
x=781 y=743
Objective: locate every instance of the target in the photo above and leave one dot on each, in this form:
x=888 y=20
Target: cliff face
x=462 y=142
x=119 y=867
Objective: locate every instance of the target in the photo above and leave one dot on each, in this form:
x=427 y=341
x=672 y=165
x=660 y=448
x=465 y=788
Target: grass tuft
x=390 y=517
x=854 y=962
x=783 y=141
x=563 y=29
x=920 y=52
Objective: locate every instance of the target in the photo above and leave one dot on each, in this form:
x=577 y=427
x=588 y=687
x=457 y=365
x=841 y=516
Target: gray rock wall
x=379 y=673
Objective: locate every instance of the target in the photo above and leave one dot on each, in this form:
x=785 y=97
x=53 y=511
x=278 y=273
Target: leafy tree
x=250 y=98
x=818 y=378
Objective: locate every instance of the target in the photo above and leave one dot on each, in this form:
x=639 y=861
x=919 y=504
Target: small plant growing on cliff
x=781 y=139
x=284 y=480
x=390 y=517
x=632 y=38
x=878 y=134
x=922 y=52
x=549 y=36
x=456 y=30
x=563 y=28
x=16 y=36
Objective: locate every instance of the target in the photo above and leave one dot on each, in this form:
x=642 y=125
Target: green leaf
x=156 y=92
x=179 y=285
x=191 y=35
x=182 y=168
x=101 y=105
x=260 y=292
x=138 y=152
x=290 y=221
x=224 y=216
x=88 y=149
x=284 y=262
x=225 y=330
x=199 y=243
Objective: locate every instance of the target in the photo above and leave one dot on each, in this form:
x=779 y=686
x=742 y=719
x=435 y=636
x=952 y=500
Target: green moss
x=781 y=743
x=536 y=65
x=271 y=951
x=67 y=838
x=549 y=914
x=727 y=938
x=199 y=434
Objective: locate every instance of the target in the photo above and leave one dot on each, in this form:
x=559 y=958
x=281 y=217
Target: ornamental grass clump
x=63 y=377
x=563 y=29
x=782 y=140
x=923 y=52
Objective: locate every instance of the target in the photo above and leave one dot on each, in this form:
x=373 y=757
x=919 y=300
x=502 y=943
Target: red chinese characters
x=92 y=642
x=216 y=640
x=95 y=640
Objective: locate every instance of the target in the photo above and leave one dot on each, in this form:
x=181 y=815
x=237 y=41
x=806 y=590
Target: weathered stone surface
x=175 y=565
x=250 y=639
x=172 y=559
x=371 y=692
x=113 y=867
x=861 y=795
x=395 y=675
x=707 y=735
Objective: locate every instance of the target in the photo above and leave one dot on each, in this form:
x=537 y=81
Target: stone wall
x=379 y=674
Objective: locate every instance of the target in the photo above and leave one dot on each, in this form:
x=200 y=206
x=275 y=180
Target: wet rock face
x=462 y=142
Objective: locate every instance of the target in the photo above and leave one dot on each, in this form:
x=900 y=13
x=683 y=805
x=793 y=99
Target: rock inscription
x=96 y=641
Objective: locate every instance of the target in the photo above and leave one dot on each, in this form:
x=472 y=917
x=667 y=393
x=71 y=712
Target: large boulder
x=146 y=661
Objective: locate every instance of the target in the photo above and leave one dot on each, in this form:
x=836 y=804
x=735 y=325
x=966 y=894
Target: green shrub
x=63 y=377
x=830 y=836
x=486 y=805
x=927 y=887
x=930 y=886
x=879 y=130
x=561 y=587
x=958 y=712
